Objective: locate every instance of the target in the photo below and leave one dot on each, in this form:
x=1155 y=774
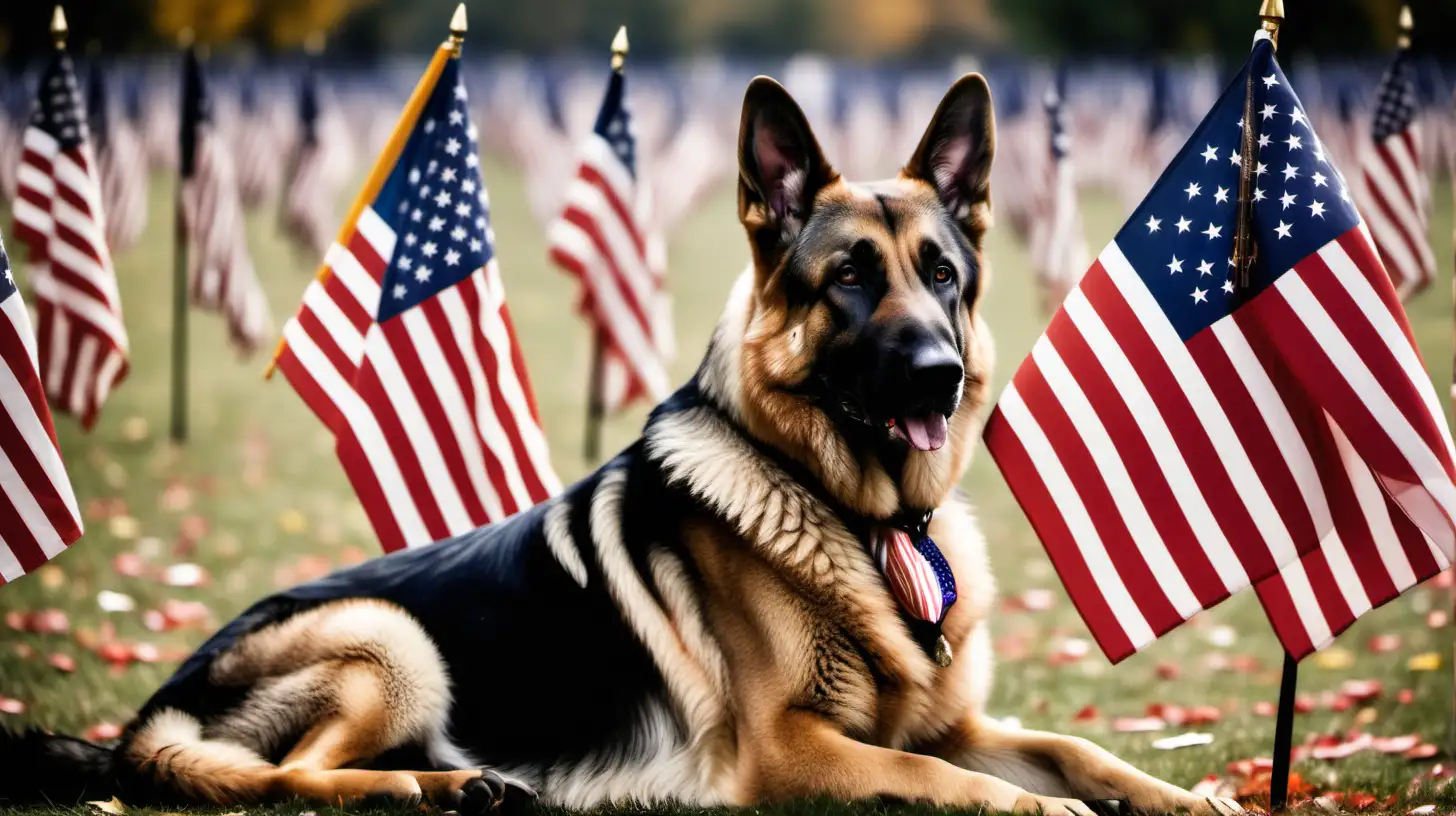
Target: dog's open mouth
x=924 y=433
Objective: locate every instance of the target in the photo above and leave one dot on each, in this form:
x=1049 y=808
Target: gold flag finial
x=1407 y=25
x=1272 y=14
x=59 y=29
x=619 y=49
x=457 y=29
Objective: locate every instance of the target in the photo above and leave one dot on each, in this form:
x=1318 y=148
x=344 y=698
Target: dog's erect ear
x=780 y=165
x=955 y=153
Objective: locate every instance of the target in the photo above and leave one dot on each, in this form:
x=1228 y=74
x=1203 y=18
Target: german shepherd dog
x=707 y=619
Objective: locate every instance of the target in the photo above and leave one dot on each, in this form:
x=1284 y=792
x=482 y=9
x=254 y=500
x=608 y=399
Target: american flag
x=59 y=216
x=1174 y=437
x=307 y=203
x=257 y=147
x=1395 y=196
x=605 y=237
x=122 y=163
x=1058 y=246
x=38 y=515
x=222 y=277
x=404 y=346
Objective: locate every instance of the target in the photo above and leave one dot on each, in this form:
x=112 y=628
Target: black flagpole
x=596 y=406
x=1271 y=14
x=187 y=161
x=1283 y=736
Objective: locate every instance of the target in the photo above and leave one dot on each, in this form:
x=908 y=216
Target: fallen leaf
x=1361 y=691
x=1423 y=810
x=1437 y=619
x=1222 y=636
x=185 y=575
x=1264 y=708
x=128 y=565
x=1423 y=751
x=1168 y=671
x=124 y=527
x=291 y=521
x=10 y=705
x=114 y=807
x=1396 y=745
x=62 y=662
x=111 y=601
x=1384 y=643
x=134 y=428
x=1134 y=725
x=1334 y=657
x=1426 y=661
x=1405 y=696
x=1188 y=740
x=101 y=732
x=1087 y=713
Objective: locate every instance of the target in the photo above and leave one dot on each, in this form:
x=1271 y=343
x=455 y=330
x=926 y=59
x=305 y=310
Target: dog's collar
x=914 y=559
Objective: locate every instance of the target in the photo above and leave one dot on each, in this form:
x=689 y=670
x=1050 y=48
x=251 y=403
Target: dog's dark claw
x=1108 y=807
x=491 y=793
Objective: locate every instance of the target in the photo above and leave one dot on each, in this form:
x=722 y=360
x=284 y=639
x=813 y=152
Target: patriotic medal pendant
x=921 y=580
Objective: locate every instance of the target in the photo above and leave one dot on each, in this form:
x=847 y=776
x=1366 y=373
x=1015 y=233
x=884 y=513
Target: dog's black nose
x=934 y=369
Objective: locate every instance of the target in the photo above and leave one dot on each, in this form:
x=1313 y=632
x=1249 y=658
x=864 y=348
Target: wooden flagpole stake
x=187 y=158
x=596 y=406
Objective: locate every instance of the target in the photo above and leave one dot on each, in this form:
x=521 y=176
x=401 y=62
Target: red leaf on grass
x=1396 y=745
x=1168 y=671
x=1405 y=696
x=10 y=705
x=1384 y=643
x=128 y=565
x=1134 y=725
x=62 y=662
x=1361 y=691
x=101 y=732
x=1423 y=751
x=1088 y=713
x=1264 y=708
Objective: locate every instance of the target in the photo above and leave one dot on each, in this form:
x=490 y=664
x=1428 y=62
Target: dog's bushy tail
x=51 y=768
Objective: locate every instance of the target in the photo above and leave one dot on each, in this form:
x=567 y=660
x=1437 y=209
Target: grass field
x=256 y=499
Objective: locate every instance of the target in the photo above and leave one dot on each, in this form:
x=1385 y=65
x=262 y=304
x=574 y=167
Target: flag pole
x=596 y=407
x=1246 y=252
x=186 y=161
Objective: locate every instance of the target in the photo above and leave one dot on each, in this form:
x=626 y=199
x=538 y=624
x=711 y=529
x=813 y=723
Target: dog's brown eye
x=943 y=274
x=846 y=276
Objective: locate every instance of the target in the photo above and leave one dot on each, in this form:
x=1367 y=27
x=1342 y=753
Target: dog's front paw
x=1185 y=802
x=1052 y=806
x=491 y=793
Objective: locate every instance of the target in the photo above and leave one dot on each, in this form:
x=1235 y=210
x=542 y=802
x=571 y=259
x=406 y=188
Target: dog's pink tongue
x=926 y=433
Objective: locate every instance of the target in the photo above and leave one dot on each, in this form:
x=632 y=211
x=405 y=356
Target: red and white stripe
x=38 y=513
x=434 y=416
x=124 y=171
x=308 y=212
x=1395 y=203
x=602 y=239
x=58 y=214
x=1059 y=251
x=1117 y=437
x=259 y=151
x=222 y=275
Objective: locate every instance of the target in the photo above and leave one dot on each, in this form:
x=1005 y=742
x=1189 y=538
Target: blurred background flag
x=221 y=275
x=404 y=346
x=38 y=512
x=121 y=162
x=1396 y=194
x=1058 y=246
x=257 y=146
x=606 y=237
x=307 y=215
x=59 y=216
x=1168 y=403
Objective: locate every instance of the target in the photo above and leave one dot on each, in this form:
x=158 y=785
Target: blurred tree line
x=908 y=30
